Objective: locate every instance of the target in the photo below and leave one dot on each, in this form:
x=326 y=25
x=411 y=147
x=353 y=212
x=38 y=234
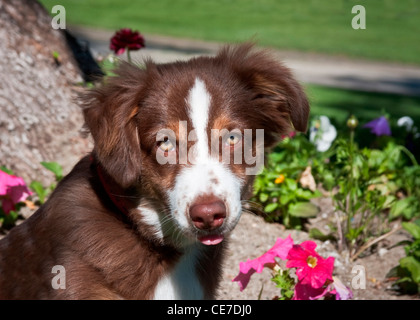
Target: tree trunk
x=39 y=120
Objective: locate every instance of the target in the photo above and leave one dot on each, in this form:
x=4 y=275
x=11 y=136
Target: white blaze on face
x=199 y=103
x=206 y=175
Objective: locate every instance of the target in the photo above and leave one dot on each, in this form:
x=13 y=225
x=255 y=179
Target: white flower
x=408 y=123
x=322 y=133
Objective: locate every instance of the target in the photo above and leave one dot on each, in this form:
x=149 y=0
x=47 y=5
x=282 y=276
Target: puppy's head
x=189 y=137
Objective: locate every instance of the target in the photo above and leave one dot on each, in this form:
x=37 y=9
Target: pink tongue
x=211 y=240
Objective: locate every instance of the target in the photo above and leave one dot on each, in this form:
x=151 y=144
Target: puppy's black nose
x=208 y=213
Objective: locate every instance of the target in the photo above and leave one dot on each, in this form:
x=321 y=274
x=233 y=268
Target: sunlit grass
x=392 y=26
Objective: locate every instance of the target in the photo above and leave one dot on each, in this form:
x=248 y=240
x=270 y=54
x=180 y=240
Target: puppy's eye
x=166 y=145
x=232 y=139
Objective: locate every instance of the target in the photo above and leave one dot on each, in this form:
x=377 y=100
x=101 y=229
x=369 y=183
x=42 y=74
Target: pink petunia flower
x=337 y=288
x=307 y=292
x=12 y=191
x=248 y=268
x=312 y=269
x=341 y=291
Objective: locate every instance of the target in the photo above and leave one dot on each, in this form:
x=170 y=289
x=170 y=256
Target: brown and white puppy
x=147 y=214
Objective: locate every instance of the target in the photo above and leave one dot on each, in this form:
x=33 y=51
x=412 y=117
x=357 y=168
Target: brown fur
x=111 y=255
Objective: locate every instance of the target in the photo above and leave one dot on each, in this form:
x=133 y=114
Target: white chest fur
x=182 y=282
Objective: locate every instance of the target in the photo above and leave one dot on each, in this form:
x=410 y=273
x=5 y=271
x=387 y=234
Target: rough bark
x=39 y=120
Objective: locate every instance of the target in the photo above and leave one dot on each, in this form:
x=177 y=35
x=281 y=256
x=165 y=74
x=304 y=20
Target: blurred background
x=391 y=34
x=380 y=64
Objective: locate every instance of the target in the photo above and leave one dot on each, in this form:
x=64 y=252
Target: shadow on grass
x=340 y=104
x=407 y=86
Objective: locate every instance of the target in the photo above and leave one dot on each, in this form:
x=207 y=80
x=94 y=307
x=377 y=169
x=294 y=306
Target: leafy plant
x=41 y=191
x=368 y=183
x=107 y=65
x=278 y=187
x=7 y=220
x=408 y=205
x=362 y=190
x=285 y=283
x=407 y=273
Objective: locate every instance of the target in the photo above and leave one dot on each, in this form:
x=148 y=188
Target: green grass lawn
x=340 y=104
x=392 y=26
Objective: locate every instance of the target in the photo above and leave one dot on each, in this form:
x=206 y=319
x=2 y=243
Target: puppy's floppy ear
x=273 y=88
x=110 y=115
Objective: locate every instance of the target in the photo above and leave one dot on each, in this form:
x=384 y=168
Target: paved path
x=333 y=71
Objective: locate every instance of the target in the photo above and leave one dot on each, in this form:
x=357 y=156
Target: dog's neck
x=112 y=190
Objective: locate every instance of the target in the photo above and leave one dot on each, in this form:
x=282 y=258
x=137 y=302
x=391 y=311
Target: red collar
x=106 y=182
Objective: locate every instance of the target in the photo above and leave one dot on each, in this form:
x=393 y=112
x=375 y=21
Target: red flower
x=312 y=269
x=126 y=39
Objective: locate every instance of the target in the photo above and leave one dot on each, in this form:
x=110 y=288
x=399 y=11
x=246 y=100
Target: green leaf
x=9 y=220
x=276 y=157
x=108 y=66
x=389 y=201
x=412 y=228
x=317 y=234
x=353 y=233
x=258 y=185
x=263 y=197
x=412 y=265
x=404 y=283
x=291 y=184
x=286 y=284
x=55 y=168
x=4 y=169
x=13 y=215
x=328 y=180
x=305 y=194
x=410 y=212
x=271 y=207
x=398 y=207
x=317 y=194
x=303 y=210
x=285 y=198
x=39 y=190
x=416 y=253
x=55 y=54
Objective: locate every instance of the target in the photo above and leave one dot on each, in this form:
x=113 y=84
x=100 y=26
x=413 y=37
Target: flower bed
x=375 y=189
